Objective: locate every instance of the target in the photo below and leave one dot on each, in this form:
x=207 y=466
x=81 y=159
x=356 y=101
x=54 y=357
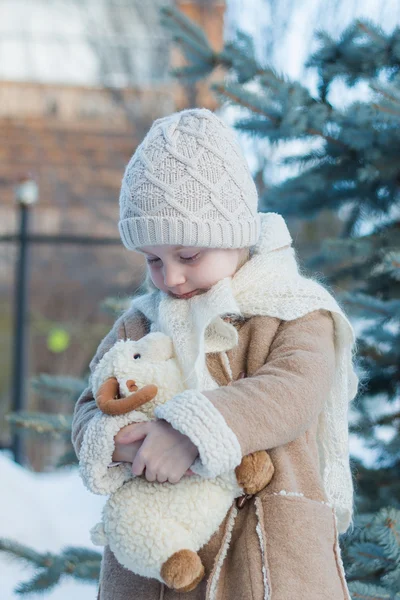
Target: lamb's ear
x=157 y=346
x=106 y=393
x=136 y=399
x=104 y=369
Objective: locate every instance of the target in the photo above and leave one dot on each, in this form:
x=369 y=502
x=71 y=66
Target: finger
x=136 y=431
x=190 y=472
x=150 y=475
x=174 y=478
x=138 y=464
x=161 y=478
x=134 y=449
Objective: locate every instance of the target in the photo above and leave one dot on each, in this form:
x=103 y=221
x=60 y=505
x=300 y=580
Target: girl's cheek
x=154 y=275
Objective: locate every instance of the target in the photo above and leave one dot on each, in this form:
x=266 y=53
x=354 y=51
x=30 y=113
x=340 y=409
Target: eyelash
x=188 y=259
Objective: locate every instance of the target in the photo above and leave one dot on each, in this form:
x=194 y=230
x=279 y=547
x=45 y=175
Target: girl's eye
x=183 y=258
x=190 y=258
x=135 y=356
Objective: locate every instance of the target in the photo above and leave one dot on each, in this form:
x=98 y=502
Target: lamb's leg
x=97 y=535
x=183 y=571
x=256 y=469
x=255 y=472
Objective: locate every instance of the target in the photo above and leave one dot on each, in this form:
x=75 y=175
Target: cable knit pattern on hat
x=189 y=184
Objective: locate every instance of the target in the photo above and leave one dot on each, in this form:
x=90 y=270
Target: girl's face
x=185 y=271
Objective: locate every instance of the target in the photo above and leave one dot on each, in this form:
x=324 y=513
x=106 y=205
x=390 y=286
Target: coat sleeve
x=274 y=406
x=93 y=432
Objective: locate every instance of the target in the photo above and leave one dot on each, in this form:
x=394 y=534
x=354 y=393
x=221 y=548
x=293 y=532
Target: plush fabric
x=147 y=524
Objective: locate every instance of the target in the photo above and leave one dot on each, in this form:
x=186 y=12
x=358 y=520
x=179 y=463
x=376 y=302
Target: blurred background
x=80 y=85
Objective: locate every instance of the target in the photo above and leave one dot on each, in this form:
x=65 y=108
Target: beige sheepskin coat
x=282 y=544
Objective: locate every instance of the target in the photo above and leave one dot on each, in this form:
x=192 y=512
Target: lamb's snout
x=131 y=385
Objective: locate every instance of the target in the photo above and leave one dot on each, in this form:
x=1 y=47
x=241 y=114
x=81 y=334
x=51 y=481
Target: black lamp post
x=26 y=195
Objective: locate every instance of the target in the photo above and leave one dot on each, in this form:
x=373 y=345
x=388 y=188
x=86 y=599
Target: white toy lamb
x=155 y=529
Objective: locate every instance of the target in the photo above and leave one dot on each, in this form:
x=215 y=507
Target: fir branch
x=17 y=550
x=57 y=387
x=193 y=50
x=385 y=420
x=372 y=553
x=80 y=563
x=362 y=591
x=190 y=73
x=235 y=99
x=41 y=423
x=68 y=459
x=384 y=92
x=372 y=31
x=385 y=308
x=390 y=264
x=353 y=59
x=171 y=15
x=385 y=109
x=222 y=90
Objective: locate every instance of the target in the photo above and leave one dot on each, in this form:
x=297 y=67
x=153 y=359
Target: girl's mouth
x=185 y=296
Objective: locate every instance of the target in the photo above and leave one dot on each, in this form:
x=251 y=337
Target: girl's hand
x=125 y=452
x=164 y=454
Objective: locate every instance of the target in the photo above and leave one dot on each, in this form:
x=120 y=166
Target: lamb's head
x=123 y=380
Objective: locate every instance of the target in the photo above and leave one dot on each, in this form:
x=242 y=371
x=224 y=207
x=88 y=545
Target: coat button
x=241 y=501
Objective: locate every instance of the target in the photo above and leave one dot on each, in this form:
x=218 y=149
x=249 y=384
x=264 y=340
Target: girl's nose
x=173 y=276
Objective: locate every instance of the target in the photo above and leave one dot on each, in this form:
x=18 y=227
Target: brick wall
x=75 y=140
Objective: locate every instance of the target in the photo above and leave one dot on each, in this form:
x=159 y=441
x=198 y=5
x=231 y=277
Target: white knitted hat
x=189 y=184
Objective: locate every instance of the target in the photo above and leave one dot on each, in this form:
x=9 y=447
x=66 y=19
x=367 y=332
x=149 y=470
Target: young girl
x=225 y=285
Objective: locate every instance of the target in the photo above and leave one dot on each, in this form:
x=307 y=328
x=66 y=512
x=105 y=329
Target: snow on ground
x=45 y=511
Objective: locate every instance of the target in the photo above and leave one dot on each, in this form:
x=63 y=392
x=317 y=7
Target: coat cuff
x=96 y=452
x=194 y=415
